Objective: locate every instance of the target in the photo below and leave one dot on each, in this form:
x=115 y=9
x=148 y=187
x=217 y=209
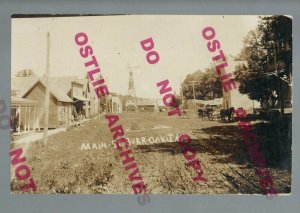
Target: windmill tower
x=131 y=104
x=131 y=89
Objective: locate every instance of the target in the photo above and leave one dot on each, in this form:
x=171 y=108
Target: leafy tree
x=178 y=99
x=266 y=50
x=26 y=73
x=207 y=85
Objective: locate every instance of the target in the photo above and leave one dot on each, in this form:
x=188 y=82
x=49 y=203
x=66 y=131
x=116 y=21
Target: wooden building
x=59 y=104
x=65 y=92
x=92 y=103
x=147 y=105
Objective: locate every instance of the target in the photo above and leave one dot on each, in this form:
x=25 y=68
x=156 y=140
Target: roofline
x=76 y=82
x=38 y=80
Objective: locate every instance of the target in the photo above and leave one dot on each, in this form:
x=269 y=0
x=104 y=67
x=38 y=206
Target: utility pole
x=193 y=84
x=47 y=96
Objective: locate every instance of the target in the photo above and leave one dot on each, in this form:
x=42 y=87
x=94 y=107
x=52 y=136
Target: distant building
x=233 y=98
x=214 y=102
x=114 y=103
x=131 y=105
x=147 y=105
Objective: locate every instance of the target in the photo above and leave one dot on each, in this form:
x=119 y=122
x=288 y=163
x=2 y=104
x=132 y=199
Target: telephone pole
x=193 y=84
x=47 y=96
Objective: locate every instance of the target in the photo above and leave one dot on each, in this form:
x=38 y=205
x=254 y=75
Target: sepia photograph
x=151 y=104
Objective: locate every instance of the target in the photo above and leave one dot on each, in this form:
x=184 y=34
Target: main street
x=62 y=166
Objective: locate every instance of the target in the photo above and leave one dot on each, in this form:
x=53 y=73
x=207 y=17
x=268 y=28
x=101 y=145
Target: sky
x=116 y=44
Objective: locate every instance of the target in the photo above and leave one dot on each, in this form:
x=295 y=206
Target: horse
x=227 y=113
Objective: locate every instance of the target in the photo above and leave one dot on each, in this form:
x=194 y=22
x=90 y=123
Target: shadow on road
x=274 y=138
x=226 y=144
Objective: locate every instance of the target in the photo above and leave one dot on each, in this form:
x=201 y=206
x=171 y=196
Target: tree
x=26 y=73
x=267 y=49
x=207 y=85
x=178 y=99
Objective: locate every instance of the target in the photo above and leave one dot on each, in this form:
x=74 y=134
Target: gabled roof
x=63 y=83
x=55 y=90
x=82 y=81
x=87 y=86
x=59 y=86
x=22 y=83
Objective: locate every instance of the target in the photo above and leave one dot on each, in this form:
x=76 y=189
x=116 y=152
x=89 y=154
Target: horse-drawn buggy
x=209 y=113
x=227 y=114
x=215 y=113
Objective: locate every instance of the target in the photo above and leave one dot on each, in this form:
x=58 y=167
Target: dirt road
x=62 y=167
